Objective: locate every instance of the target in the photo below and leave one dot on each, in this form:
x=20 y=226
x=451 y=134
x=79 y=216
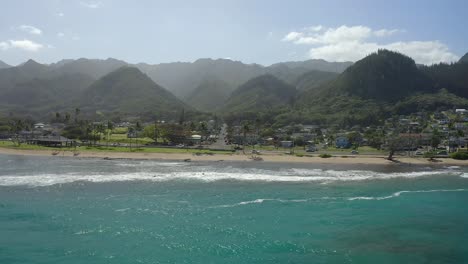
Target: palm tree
x=110 y=128
x=77 y=112
x=245 y=130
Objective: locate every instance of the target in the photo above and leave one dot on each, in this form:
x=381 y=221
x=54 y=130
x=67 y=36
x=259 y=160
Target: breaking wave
x=393 y=195
x=397 y=194
x=257 y=201
x=168 y=171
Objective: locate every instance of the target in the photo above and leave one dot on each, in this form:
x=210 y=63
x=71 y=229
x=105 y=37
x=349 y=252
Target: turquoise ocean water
x=69 y=210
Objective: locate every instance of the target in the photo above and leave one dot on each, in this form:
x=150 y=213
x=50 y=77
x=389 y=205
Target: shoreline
x=351 y=160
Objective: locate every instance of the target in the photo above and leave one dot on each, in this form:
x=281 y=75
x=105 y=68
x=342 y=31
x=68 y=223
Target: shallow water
x=68 y=210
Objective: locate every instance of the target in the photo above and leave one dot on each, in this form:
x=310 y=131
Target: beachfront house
x=195 y=139
x=286 y=144
x=52 y=141
x=342 y=142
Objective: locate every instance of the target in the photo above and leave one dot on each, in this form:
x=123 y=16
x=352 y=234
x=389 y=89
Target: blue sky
x=263 y=31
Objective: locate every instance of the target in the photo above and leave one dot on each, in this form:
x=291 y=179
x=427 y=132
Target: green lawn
x=122 y=138
x=9 y=144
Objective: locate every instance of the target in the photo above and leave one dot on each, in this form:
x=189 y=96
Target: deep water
x=69 y=210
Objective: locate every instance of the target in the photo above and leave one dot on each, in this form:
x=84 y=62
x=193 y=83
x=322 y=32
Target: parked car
x=354 y=152
x=418 y=153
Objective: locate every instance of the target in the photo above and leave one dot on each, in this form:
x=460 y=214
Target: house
x=342 y=142
x=52 y=141
x=39 y=126
x=413 y=140
x=286 y=144
x=459 y=126
x=461 y=111
x=195 y=139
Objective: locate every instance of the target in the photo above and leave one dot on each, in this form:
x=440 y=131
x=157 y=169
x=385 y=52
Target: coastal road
x=220 y=143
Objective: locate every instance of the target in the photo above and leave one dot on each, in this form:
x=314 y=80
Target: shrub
x=459 y=155
x=430 y=154
x=325 y=155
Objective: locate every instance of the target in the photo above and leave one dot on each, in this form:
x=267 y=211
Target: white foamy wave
x=122 y=210
x=464 y=175
x=397 y=194
x=258 y=201
x=291 y=175
x=365 y=175
x=152 y=164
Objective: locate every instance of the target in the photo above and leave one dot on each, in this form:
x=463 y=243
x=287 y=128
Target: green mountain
x=452 y=77
x=210 y=95
x=128 y=90
x=317 y=65
x=91 y=67
x=260 y=94
x=384 y=76
x=380 y=85
x=182 y=78
x=464 y=59
x=27 y=71
x=314 y=79
x=44 y=95
x=3 y=65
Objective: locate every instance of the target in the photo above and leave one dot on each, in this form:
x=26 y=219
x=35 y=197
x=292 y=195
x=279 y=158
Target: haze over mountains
x=382 y=83
x=205 y=84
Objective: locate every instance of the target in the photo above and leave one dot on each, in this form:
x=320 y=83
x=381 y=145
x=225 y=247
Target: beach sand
x=358 y=159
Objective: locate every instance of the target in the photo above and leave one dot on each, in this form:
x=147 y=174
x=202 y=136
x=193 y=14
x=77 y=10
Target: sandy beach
x=358 y=159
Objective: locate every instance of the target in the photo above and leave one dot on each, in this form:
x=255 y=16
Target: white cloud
x=30 y=29
x=316 y=28
x=293 y=36
x=353 y=43
x=4 y=45
x=25 y=44
x=386 y=32
x=92 y=5
x=60 y=14
x=60 y=34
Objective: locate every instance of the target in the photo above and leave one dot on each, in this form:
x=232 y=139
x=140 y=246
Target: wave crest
x=211 y=174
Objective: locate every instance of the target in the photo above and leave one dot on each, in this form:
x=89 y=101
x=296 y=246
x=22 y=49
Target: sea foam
x=153 y=171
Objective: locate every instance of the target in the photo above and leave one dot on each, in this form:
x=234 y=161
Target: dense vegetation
x=260 y=94
x=128 y=90
x=210 y=95
x=379 y=86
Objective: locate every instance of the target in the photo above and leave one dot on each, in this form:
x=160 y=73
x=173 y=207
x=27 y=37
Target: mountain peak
x=30 y=62
x=129 y=90
x=384 y=76
x=464 y=59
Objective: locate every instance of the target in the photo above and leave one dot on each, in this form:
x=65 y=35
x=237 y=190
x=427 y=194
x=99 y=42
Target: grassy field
x=9 y=144
x=122 y=138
